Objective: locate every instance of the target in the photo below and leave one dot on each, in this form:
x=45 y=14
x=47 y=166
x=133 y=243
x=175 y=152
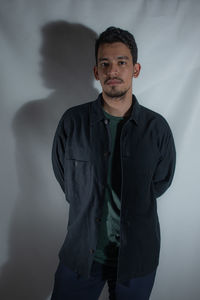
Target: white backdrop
x=46 y=60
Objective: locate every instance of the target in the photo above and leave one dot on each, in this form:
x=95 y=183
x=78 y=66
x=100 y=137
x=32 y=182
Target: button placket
x=98 y=219
x=106 y=153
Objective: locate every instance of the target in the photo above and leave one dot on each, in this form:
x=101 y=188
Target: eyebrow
x=119 y=57
x=123 y=57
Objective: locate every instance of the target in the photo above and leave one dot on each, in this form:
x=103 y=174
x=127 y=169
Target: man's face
x=115 y=69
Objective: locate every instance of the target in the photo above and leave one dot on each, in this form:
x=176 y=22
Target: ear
x=136 y=70
x=96 y=74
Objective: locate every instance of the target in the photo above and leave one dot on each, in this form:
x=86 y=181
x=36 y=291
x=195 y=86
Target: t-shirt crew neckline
x=115 y=118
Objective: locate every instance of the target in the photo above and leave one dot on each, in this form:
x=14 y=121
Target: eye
x=104 y=64
x=122 y=62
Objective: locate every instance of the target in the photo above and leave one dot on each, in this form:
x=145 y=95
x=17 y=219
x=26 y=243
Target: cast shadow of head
x=38 y=224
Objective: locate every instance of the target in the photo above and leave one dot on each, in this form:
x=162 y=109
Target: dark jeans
x=70 y=286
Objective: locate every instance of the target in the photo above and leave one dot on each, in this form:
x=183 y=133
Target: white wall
x=47 y=50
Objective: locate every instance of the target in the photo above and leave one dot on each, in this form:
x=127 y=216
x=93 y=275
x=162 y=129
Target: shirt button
x=106 y=153
x=98 y=219
x=91 y=251
x=106 y=121
x=117 y=237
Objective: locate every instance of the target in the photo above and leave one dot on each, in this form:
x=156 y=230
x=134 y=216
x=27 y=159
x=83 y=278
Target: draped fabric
x=46 y=61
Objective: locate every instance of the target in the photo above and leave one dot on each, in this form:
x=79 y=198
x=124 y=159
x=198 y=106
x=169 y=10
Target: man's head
x=113 y=35
x=116 y=62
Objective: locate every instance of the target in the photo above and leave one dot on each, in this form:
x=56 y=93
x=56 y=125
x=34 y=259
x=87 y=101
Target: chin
x=115 y=94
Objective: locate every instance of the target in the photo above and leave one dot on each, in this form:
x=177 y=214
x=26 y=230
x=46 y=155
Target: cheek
x=128 y=75
x=126 y=71
x=102 y=77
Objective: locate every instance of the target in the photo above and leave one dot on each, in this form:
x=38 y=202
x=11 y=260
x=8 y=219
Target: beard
x=115 y=93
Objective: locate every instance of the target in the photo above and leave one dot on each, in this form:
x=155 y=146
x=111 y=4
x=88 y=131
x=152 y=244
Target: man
x=113 y=158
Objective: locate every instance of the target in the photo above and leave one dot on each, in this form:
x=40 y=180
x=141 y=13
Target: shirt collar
x=98 y=115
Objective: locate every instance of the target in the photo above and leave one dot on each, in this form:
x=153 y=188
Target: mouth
x=113 y=81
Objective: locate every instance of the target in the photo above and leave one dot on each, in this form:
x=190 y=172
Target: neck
x=118 y=107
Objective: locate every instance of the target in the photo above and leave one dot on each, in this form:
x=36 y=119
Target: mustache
x=113 y=78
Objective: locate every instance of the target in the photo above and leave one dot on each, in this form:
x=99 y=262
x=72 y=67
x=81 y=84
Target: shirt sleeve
x=164 y=171
x=58 y=153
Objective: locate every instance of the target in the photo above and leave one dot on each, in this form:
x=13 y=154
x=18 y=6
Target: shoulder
x=74 y=115
x=157 y=128
x=153 y=118
x=77 y=111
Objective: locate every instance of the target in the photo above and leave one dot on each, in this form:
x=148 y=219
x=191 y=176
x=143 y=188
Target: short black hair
x=113 y=35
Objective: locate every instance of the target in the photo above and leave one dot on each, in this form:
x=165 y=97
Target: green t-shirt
x=109 y=230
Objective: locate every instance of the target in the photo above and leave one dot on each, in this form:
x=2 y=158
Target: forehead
x=113 y=50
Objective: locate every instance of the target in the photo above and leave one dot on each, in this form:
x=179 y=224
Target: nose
x=112 y=70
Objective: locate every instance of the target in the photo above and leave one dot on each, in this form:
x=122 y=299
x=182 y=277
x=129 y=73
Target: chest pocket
x=141 y=154
x=78 y=175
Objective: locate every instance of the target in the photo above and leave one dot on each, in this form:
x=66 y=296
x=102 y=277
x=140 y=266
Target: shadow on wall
x=38 y=222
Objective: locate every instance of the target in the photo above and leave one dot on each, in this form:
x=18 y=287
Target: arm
x=58 y=153
x=164 y=172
